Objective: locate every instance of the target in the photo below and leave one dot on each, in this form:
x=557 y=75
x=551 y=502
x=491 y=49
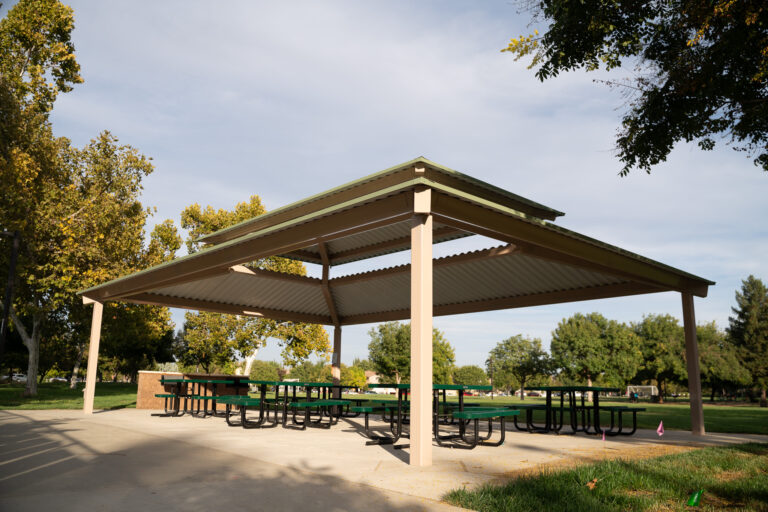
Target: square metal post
x=93 y=358
x=692 y=360
x=336 y=361
x=421 y=331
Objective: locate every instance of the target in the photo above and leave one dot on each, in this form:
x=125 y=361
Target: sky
x=285 y=100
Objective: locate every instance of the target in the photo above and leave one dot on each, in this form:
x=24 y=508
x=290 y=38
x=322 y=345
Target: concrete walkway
x=129 y=460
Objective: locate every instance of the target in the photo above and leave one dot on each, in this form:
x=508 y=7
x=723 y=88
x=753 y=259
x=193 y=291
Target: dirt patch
x=718 y=503
x=576 y=458
x=729 y=476
x=639 y=492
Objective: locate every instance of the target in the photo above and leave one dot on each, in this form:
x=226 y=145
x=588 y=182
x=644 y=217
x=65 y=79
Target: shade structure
x=536 y=263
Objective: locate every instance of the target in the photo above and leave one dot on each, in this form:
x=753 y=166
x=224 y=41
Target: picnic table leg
x=634 y=424
x=179 y=412
x=398 y=431
x=596 y=405
x=514 y=419
x=559 y=424
x=547 y=418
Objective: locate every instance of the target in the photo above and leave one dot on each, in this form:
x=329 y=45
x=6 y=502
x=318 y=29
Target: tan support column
x=93 y=358
x=336 y=361
x=692 y=359
x=421 y=331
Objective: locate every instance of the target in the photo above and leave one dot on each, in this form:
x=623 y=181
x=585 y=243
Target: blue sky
x=287 y=99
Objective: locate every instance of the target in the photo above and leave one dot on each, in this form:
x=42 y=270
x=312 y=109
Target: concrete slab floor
x=128 y=459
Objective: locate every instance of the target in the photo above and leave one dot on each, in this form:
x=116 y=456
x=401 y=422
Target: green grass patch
x=732 y=478
x=57 y=395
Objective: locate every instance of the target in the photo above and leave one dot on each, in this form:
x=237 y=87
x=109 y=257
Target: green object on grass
x=695 y=498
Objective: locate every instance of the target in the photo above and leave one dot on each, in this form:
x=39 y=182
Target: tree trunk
x=33 y=347
x=661 y=390
x=76 y=369
x=712 y=396
x=522 y=389
x=249 y=359
x=763 y=400
x=589 y=384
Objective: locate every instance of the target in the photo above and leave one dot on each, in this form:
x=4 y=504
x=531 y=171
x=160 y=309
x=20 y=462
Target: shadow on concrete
x=383 y=430
x=68 y=464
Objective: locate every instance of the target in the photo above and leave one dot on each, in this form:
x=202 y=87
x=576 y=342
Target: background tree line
x=592 y=350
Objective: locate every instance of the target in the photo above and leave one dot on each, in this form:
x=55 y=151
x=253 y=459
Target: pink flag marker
x=660 y=430
x=603 y=435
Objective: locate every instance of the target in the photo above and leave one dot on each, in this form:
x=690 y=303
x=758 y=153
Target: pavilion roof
x=539 y=263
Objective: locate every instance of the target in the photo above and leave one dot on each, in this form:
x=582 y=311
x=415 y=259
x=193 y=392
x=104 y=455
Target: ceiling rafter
x=326 y=288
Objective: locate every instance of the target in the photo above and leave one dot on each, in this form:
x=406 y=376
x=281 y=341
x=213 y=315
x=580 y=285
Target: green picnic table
x=443 y=412
x=590 y=415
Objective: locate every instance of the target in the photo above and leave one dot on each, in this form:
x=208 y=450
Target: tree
x=521 y=358
x=390 y=350
x=390 y=353
x=363 y=364
x=588 y=347
x=265 y=370
x=244 y=335
x=663 y=347
x=307 y=371
x=471 y=375
x=748 y=329
x=701 y=68
x=353 y=376
x=720 y=364
x=443 y=358
x=35 y=44
x=77 y=210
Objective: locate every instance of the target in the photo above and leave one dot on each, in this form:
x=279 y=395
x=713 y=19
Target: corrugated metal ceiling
x=457 y=280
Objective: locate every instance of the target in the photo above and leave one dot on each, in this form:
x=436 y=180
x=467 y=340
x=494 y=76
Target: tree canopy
x=721 y=366
x=748 y=330
x=521 y=358
x=588 y=347
x=470 y=375
x=700 y=68
x=663 y=347
x=390 y=353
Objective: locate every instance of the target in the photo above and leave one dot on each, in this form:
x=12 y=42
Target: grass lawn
x=742 y=419
x=57 y=395
x=732 y=478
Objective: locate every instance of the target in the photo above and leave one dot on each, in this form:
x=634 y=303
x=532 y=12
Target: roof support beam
x=496 y=224
x=538 y=299
x=326 y=288
x=272 y=274
x=229 y=309
x=388 y=210
x=304 y=255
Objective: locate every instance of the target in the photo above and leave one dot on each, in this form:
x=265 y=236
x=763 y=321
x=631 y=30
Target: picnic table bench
x=173 y=398
x=324 y=409
x=475 y=414
x=621 y=409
